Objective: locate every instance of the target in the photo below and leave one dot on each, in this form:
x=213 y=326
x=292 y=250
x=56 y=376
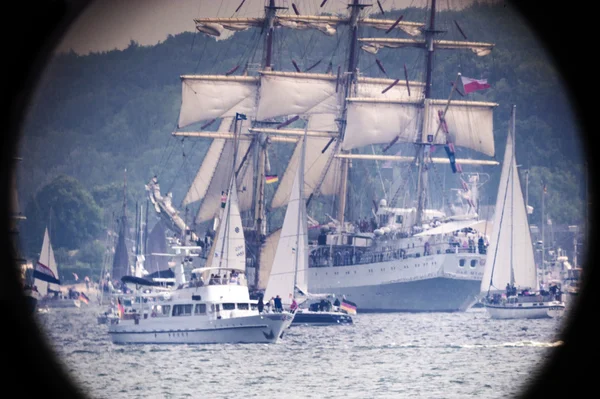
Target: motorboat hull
x=262 y=328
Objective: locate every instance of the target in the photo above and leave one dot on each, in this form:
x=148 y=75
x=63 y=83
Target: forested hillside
x=97 y=115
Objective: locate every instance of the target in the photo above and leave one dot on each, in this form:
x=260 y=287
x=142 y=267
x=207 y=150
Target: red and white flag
x=471 y=85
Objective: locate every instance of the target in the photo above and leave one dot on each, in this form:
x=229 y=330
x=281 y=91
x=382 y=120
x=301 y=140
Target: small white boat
x=510 y=279
x=288 y=277
x=218 y=311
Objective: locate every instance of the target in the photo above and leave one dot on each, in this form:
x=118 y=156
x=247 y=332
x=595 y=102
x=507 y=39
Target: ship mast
x=356 y=8
x=429 y=34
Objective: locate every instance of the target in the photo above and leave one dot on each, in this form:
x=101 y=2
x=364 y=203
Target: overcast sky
x=109 y=24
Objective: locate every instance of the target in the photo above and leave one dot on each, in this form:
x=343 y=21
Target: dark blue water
x=437 y=355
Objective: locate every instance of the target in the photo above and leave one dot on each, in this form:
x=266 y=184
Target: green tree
x=68 y=210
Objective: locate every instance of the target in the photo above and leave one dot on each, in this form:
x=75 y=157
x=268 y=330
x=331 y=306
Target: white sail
x=510 y=245
x=379 y=121
x=207 y=97
x=292 y=238
x=229 y=246
x=267 y=255
x=46 y=265
x=388 y=88
x=470 y=124
x=291 y=93
x=218 y=181
x=315 y=164
x=199 y=187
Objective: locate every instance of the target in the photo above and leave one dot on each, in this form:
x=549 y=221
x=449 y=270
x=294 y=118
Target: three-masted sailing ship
x=408 y=258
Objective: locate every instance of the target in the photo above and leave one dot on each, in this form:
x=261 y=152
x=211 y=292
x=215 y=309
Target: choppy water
x=434 y=355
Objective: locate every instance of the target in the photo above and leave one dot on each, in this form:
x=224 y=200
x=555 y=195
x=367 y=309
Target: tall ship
x=417 y=250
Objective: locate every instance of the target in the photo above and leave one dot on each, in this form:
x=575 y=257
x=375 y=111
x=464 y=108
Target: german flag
x=271 y=179
x=84 y=298
x=120 y=308
x=348 y=307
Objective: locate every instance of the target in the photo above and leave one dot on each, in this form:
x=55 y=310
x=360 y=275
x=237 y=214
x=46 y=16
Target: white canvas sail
x=267 y=254
x=379 y=121
x=315 y=164
x=229 y=246
x=199 y=187
x=218 y=182
x=388 y=88
x=207 y=97
x=293 y=238
x=291 y=93
x=46 y=269
x=470 y=124
x=510 y=245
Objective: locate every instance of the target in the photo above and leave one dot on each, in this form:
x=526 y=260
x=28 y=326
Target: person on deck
x=278 y=304
x=336 y=304
x=294 y=305
x=223 y=199
x=261 y=304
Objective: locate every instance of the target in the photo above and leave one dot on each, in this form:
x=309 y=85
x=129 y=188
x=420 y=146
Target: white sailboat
x=214 y=310
x=510 y=280
x=46 y=279
x=288 y=278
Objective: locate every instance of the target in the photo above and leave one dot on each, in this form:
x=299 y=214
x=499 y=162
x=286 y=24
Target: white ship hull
x=434 y=283
x=264 y=328
x=531 y=310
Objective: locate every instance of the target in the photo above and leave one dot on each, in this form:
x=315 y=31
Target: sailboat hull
x=307 y=317
x=531 y=310
x=435 y=283
x=192 y=330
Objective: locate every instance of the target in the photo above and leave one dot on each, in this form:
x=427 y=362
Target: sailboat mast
x=356 y=7
x=429 y=34
x=301 y=218
x=513 y=166
x=543 y=222
x=270 y=11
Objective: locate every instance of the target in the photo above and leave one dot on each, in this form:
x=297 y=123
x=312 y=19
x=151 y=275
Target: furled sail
x=207 y=97
x=373 y=45
x=326 y=24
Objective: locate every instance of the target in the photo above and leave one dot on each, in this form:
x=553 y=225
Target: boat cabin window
x=200 y=308
x=228 y=306
x=383 y=220
x=242 y=306
x=161 y=310
x=399 y=219
x=473 y=262
x=182 y=310
x=214 y=307
x=127 y=302
x=254 y=306
x=461 y=262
